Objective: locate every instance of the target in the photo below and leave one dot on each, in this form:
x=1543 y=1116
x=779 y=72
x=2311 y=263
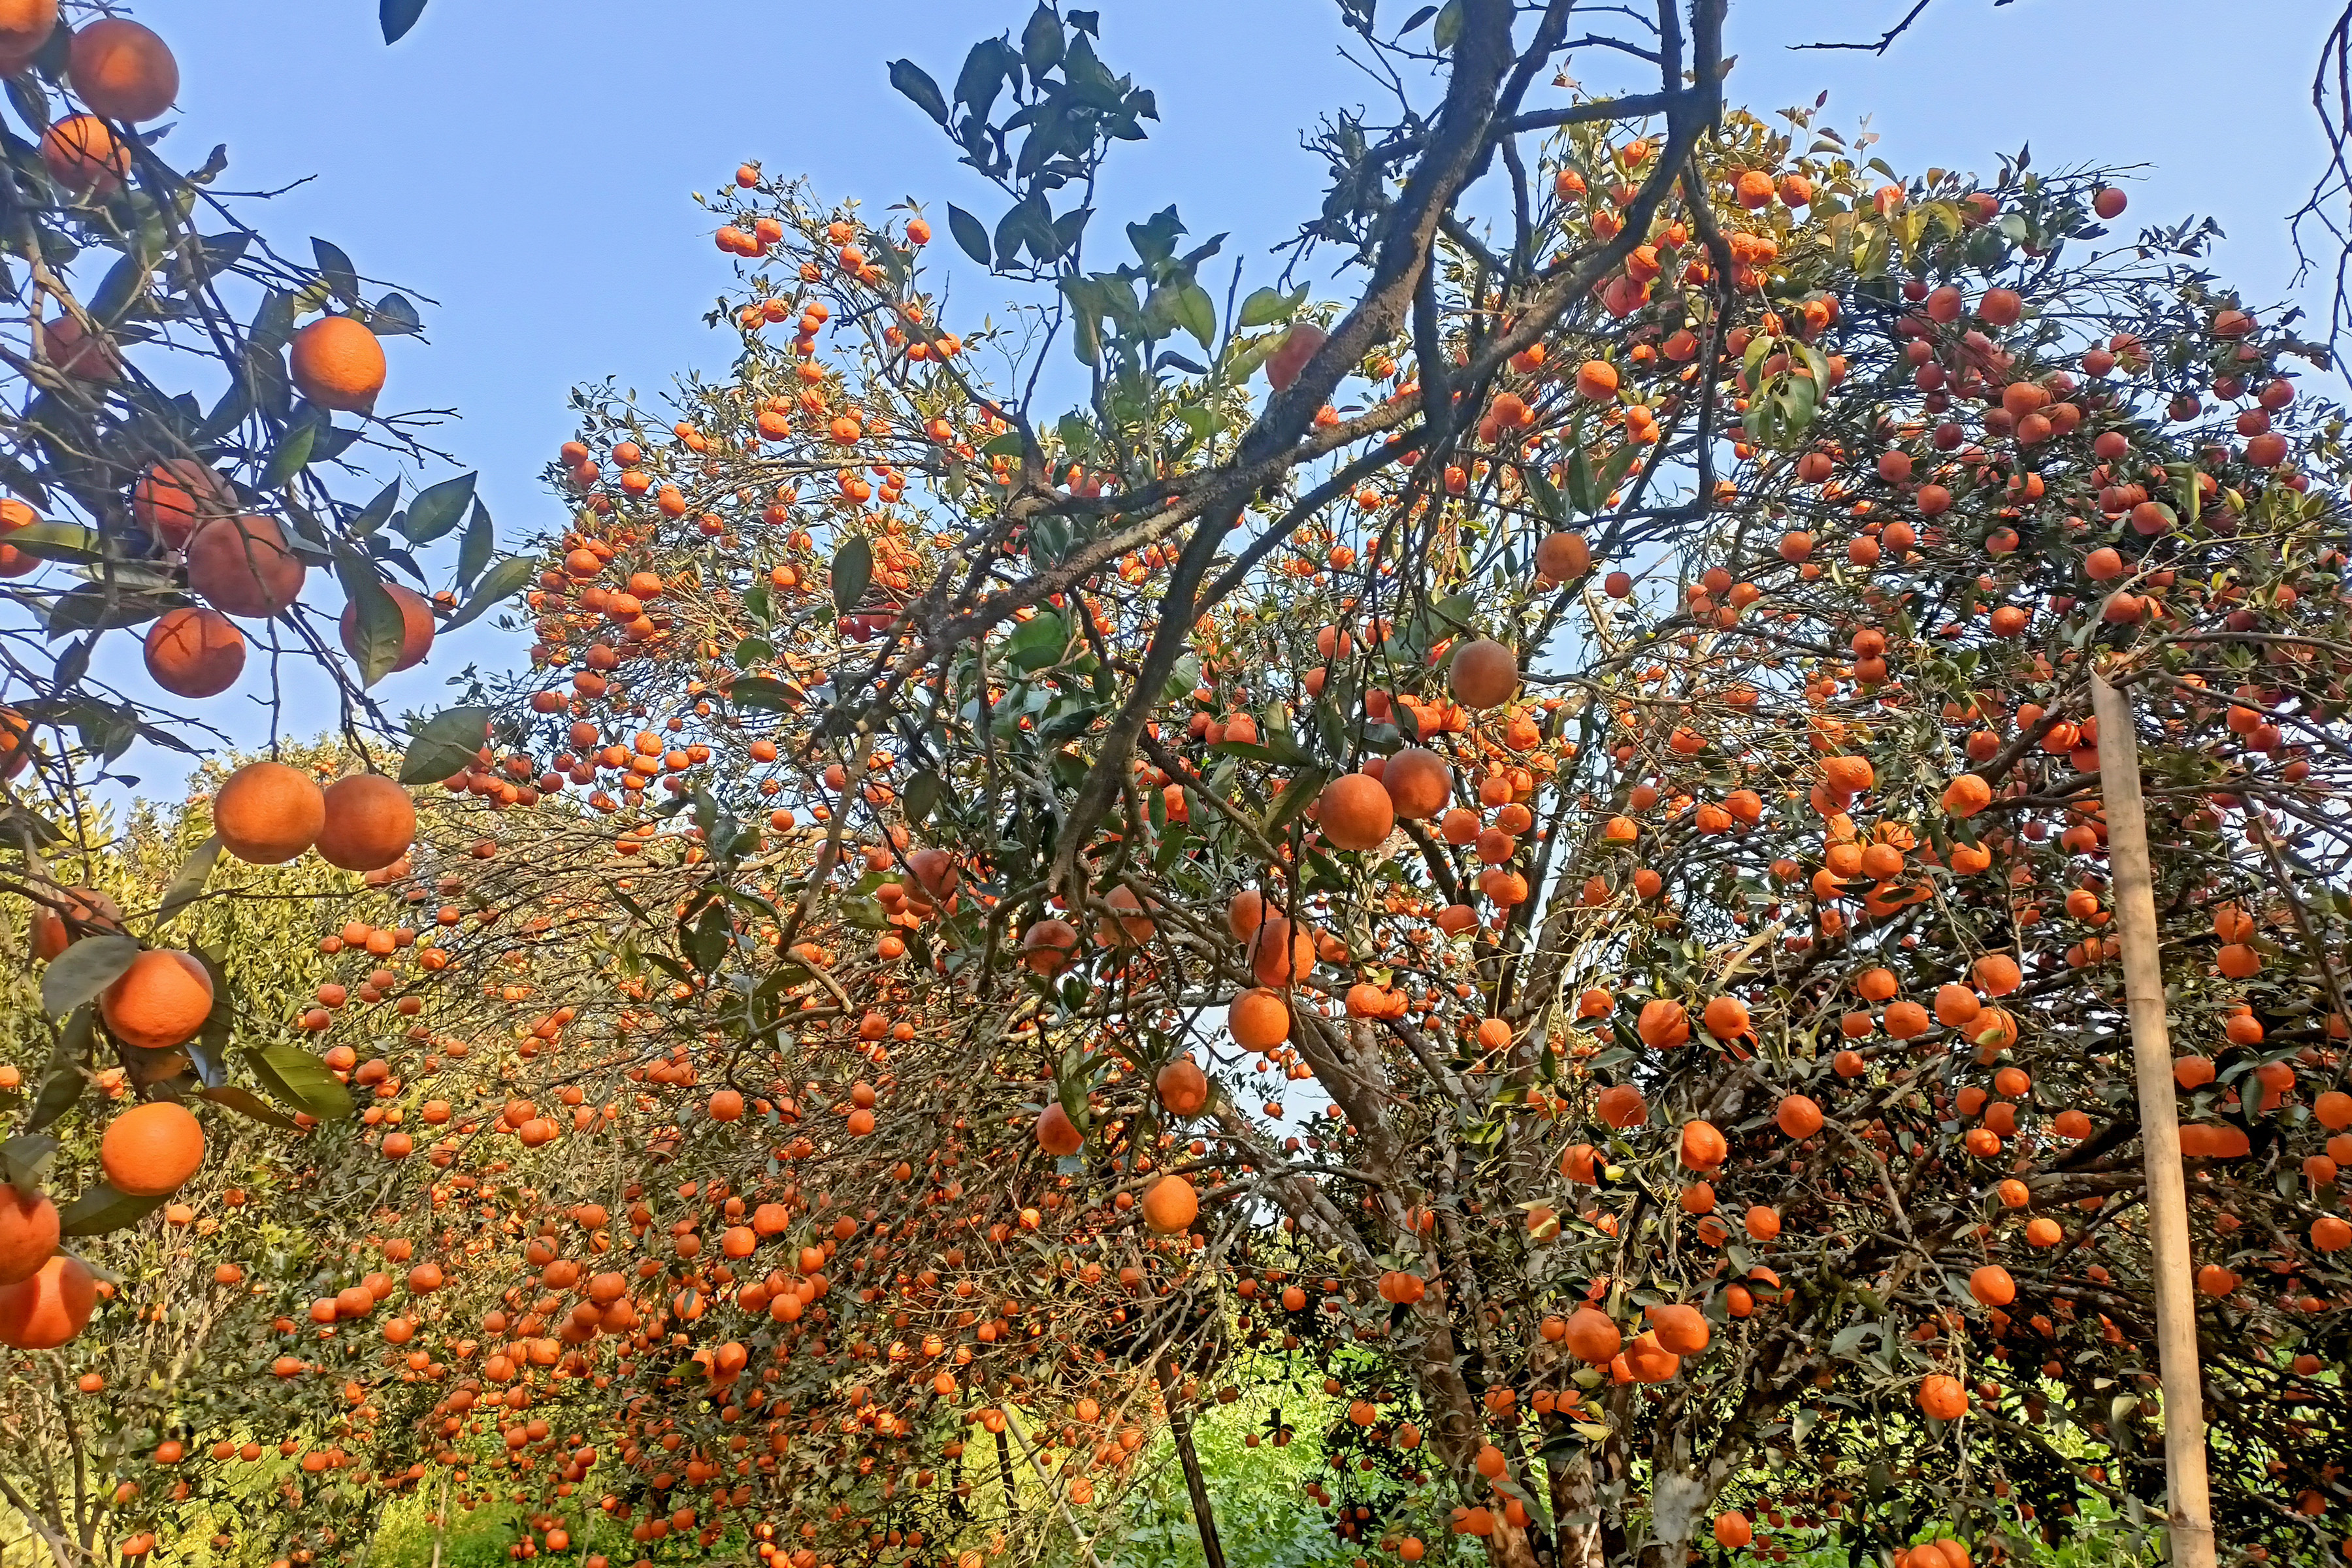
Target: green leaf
x=437 y=508
x=474 y=550
x=61 y=1083
x=291 y=455
x=189 y=881
x=970 y=233
x=119 y=287
x=91 y=608
x=1197 y=313
x=245 y=1102
x=376 y=513
x=397 y=16
x=1266 y=306
x=297 y=1079
x=760 y=691
x=1038 y=641
x=852 y=573
x=921 y=793
x=917 y=84
x=1296 y=796
x=100 y=1209
x=209 y=1052
x=706 y=944
x=1449 y=27
x=499 y=584
x=25 y=1159
x=1041 y=41
x=79 y=974
x=444 y=745
x=379 y=627
x=337 y=270
x=62 y=542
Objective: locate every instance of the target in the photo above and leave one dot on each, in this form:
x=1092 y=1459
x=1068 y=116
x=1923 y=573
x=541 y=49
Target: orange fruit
x=160 y=1002
x=194 y=652
x=338 y=363
x=174 y=496
x=122 y=70
x=1047 y=946
x=44 y=1311
x=83 y=155
x=1483 y=673
x=75 y=353
x=243 y=566
x=1183 y=1086
x=370 y=822
x=152 y=1150
x=416 y=627
x=1057 y=1134
x=1355 y=812
x=25 y=26
x=1679 y=1327
x=51 y=936
x=1171 y=1206
x=28 y=1234
x=1592 y=1336
x=1258 y=1019
x=1418 y=782
x=266 y=813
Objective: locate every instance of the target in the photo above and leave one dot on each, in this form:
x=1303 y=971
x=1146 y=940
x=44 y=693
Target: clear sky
x=528 y=164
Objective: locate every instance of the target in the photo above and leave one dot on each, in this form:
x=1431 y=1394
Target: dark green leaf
x=209 y=1052
x=79 y=974
x=970 y=233
x=99 y=1209
x=122 y=285
x=291 y=454
x=706 y=944
x=379 y=627
x=394 y=316
x=25 y=1159
x=64 y=542
x=500 y=582
x=398 y=16
x=376 y=513
x=758 y=691
x=245 y=1102
x=1296 y=796
x=444 y=745
x=922 y=793
x=337 y=270
x=917 y=84
x=295 y=1078
x=189 y=881
x=91 y=608
x=852 y=575
x=437 y=508
x=1041 y=41
x=61 y=1083
x=474 y=550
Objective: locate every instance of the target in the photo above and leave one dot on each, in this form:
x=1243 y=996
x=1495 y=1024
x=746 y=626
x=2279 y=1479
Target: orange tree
x=1609 y=725
x=138 y=508
x=1542 y=877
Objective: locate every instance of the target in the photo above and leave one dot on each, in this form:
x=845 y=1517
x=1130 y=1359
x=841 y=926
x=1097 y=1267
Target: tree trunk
x=1196 y=1486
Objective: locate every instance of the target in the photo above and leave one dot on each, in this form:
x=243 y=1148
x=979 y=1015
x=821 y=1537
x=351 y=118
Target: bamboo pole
x=2190 y=1505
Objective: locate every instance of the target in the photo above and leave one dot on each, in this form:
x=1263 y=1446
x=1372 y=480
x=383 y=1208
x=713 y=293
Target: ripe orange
x=194 y=652
x=1563 y=556
x=1418 y=782
x=77 y=352
x=416 y=626
x=83 y=155
x=1355 y=812
x=1259 y=1019
x=51 y=936
x=1992 y=1285
x=1703 y=1148
x=25 y=26
x=266 y=813
x=1680 y=1327
x=1483 y=673
x=160 y=1002
x=122 y=70
x=1592 y=1336
x=243 y=566
x=174 y=496
x=152 y=1150
x=1662 y=1023
x=1279 y=954
x=1183 y=1086
x=1047 y=946
x=28 y=1233
x=44 y=1311
x=370 y=822
x=1057 y=1134
x=1171 y=1206
x=338 y=363
x=1943 y=1397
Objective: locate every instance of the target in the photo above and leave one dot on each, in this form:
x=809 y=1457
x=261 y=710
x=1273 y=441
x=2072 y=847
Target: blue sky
x=528 y=163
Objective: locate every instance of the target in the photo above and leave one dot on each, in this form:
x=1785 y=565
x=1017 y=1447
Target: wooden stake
x=2191 y=1517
